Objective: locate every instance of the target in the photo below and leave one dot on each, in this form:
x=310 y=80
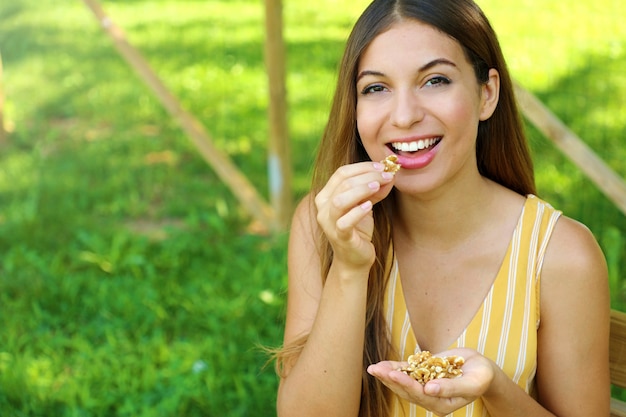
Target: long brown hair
x=501 y=151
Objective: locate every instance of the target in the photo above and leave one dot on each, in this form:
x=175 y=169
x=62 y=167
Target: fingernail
x=366 y=206
x=387 y=175
x=374 y=185
x=378 y=166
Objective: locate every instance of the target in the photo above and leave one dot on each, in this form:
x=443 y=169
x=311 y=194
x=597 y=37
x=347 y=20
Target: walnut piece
x=391 y=163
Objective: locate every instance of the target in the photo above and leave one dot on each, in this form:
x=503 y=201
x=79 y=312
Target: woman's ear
x=490 y=93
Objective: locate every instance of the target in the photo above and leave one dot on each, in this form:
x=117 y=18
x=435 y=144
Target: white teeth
x=414 y=146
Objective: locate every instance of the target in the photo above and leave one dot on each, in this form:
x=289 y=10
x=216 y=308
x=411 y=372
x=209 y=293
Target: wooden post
x=279 y=157
x=611 y=184
x=222 y=165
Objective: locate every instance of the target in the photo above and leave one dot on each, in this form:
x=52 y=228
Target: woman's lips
x=416 y=154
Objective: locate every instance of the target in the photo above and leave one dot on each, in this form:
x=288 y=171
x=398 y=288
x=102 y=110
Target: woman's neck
x=450 y=217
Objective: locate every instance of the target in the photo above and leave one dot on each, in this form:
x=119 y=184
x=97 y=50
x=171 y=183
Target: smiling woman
x=79 y=173
x=452 y=254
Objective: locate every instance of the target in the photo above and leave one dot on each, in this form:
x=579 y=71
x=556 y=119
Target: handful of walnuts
x=425 y=367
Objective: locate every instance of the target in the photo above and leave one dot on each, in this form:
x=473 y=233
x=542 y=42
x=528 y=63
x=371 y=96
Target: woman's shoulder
x=574 y=243
x=574 y=260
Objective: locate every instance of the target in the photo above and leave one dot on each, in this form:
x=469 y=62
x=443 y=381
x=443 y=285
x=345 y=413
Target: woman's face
x=418 y=97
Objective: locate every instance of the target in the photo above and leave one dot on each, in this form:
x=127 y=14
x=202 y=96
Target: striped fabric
x=505 y=327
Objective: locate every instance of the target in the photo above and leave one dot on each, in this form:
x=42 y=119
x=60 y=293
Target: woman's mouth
x=414 y=146
x=416 y=154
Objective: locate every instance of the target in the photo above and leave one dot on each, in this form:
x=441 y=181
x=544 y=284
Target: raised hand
x=344 y=210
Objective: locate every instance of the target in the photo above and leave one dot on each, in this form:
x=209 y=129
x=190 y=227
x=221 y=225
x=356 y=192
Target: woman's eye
x=376 y=88
x=438 y=80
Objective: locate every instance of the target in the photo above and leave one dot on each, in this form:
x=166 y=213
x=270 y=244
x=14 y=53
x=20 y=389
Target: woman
x=453 y=254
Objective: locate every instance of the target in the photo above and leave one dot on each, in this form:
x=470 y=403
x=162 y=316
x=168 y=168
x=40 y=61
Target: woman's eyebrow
x=425 y=67
x=435 y=62
x=368 y=72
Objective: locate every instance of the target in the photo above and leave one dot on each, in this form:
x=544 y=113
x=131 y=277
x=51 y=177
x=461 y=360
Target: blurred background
x=131 y=280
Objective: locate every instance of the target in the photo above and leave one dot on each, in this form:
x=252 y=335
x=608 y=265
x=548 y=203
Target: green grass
x=129 y=282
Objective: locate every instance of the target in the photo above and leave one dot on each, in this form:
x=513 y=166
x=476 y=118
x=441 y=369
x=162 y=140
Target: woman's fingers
x=347 y=222
x=344 y=209
x=348 y=175
x=352 y=200
x=350 y=187
x=354 y=196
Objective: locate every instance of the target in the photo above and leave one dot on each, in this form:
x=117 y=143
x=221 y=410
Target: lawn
x=130 y=282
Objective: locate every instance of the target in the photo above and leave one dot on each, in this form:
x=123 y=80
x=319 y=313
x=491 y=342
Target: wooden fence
x=276 y=216
x=611 y=184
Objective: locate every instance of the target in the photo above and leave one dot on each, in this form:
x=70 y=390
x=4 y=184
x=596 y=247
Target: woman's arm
x=573 y=345
x=325 y=380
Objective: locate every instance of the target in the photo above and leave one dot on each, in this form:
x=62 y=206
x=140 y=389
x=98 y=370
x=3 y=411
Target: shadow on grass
x=219 y=84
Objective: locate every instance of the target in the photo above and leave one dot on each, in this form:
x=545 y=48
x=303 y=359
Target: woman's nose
x=406 y=109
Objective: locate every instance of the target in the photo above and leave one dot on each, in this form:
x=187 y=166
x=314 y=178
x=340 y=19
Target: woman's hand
x=441 y=396
x=344 y=211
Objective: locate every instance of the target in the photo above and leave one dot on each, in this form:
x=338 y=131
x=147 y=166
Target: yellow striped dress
x=505 y=326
